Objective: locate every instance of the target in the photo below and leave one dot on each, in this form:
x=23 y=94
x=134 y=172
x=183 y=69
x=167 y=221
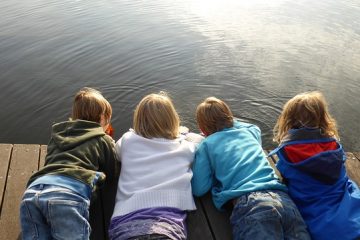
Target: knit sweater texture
x=154 y=173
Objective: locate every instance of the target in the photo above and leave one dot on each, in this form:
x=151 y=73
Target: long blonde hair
x=213 y=115
x=89 y=104
x=155 y=117
x=308 y=109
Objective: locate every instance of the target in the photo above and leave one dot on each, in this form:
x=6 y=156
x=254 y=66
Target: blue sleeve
x=202 y=179
x=255 y=131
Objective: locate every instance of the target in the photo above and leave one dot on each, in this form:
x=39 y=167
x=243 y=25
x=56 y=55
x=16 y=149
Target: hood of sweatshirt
x=307 y=151
x=69 y=134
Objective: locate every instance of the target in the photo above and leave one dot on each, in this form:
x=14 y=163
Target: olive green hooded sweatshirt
x=79 y=149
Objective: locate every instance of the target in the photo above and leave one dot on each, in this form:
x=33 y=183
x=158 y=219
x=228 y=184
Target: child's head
x=213 y=115
x=155 y=117
x=89 y=104
x=307 y=109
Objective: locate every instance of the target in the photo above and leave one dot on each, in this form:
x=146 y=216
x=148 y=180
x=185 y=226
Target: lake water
x=254 y=54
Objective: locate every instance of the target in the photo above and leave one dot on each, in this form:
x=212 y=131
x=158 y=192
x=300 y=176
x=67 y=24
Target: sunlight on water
x=273 y=34
x=253 y=54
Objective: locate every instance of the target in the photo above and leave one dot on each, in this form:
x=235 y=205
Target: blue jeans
x=267 y=215
x=54 y=212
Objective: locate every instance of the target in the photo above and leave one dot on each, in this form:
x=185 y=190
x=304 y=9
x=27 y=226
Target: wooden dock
x=19 y=161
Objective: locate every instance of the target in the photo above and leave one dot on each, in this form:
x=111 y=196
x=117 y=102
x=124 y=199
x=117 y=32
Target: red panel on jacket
x=299 y=152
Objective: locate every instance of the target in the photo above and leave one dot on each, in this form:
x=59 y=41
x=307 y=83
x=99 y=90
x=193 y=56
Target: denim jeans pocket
x=69 y=219
x=255 y=208
x=261 y=214
x=29 y=229
x=259 y=222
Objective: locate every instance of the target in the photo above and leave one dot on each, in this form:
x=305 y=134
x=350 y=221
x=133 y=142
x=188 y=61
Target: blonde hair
x=155 y=117
x=89 y=104
x=307 y=109
x=213 y=115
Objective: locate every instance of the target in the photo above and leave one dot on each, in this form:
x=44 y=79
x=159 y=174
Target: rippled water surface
x=253 y=54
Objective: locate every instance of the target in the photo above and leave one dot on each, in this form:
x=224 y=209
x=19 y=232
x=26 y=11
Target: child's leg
x=255 y=217
x=293 y=223
x=267 y=215
x=33 y=223
x=67 y=212
x=52 y=212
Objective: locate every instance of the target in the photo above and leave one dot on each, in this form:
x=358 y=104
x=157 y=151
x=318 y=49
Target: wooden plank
x=24 y=161
x=273 y=160
x=43 y=150
x=5 y=155
x=353 y=167
x=197 y=224
x=218 y=221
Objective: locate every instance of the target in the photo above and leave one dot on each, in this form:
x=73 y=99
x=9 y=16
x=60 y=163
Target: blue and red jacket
x=314 y=170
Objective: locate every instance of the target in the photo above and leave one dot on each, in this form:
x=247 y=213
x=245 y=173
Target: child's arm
x=190 y=136
x=202 y=179
x=256 y=132
x=252 y=128
x=194 y=137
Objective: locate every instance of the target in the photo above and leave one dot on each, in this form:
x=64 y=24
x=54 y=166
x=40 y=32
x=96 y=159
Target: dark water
x=253 y=54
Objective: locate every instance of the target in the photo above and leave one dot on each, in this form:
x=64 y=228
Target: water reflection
x=253 y=54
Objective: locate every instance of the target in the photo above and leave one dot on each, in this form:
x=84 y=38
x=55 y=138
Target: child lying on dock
x=231 y=162
x=80 y=156
x=154 y=189
x=312 y=161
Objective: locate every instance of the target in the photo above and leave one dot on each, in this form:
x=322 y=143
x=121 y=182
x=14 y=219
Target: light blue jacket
x=231 y=162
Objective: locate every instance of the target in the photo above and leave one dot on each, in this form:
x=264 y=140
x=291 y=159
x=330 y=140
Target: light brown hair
x=307 y=109
x=213 y=115
x=89 y=104
x=155 y=117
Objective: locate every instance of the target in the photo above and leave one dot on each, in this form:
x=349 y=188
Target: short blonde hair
x=308 y=109
x=89 y=104
x=213 y=115
x=155 y=117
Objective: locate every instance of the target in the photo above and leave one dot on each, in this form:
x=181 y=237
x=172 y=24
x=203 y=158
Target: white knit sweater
x=154 y=173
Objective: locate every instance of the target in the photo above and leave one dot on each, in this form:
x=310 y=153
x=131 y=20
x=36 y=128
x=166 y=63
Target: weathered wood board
x=24 y=162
